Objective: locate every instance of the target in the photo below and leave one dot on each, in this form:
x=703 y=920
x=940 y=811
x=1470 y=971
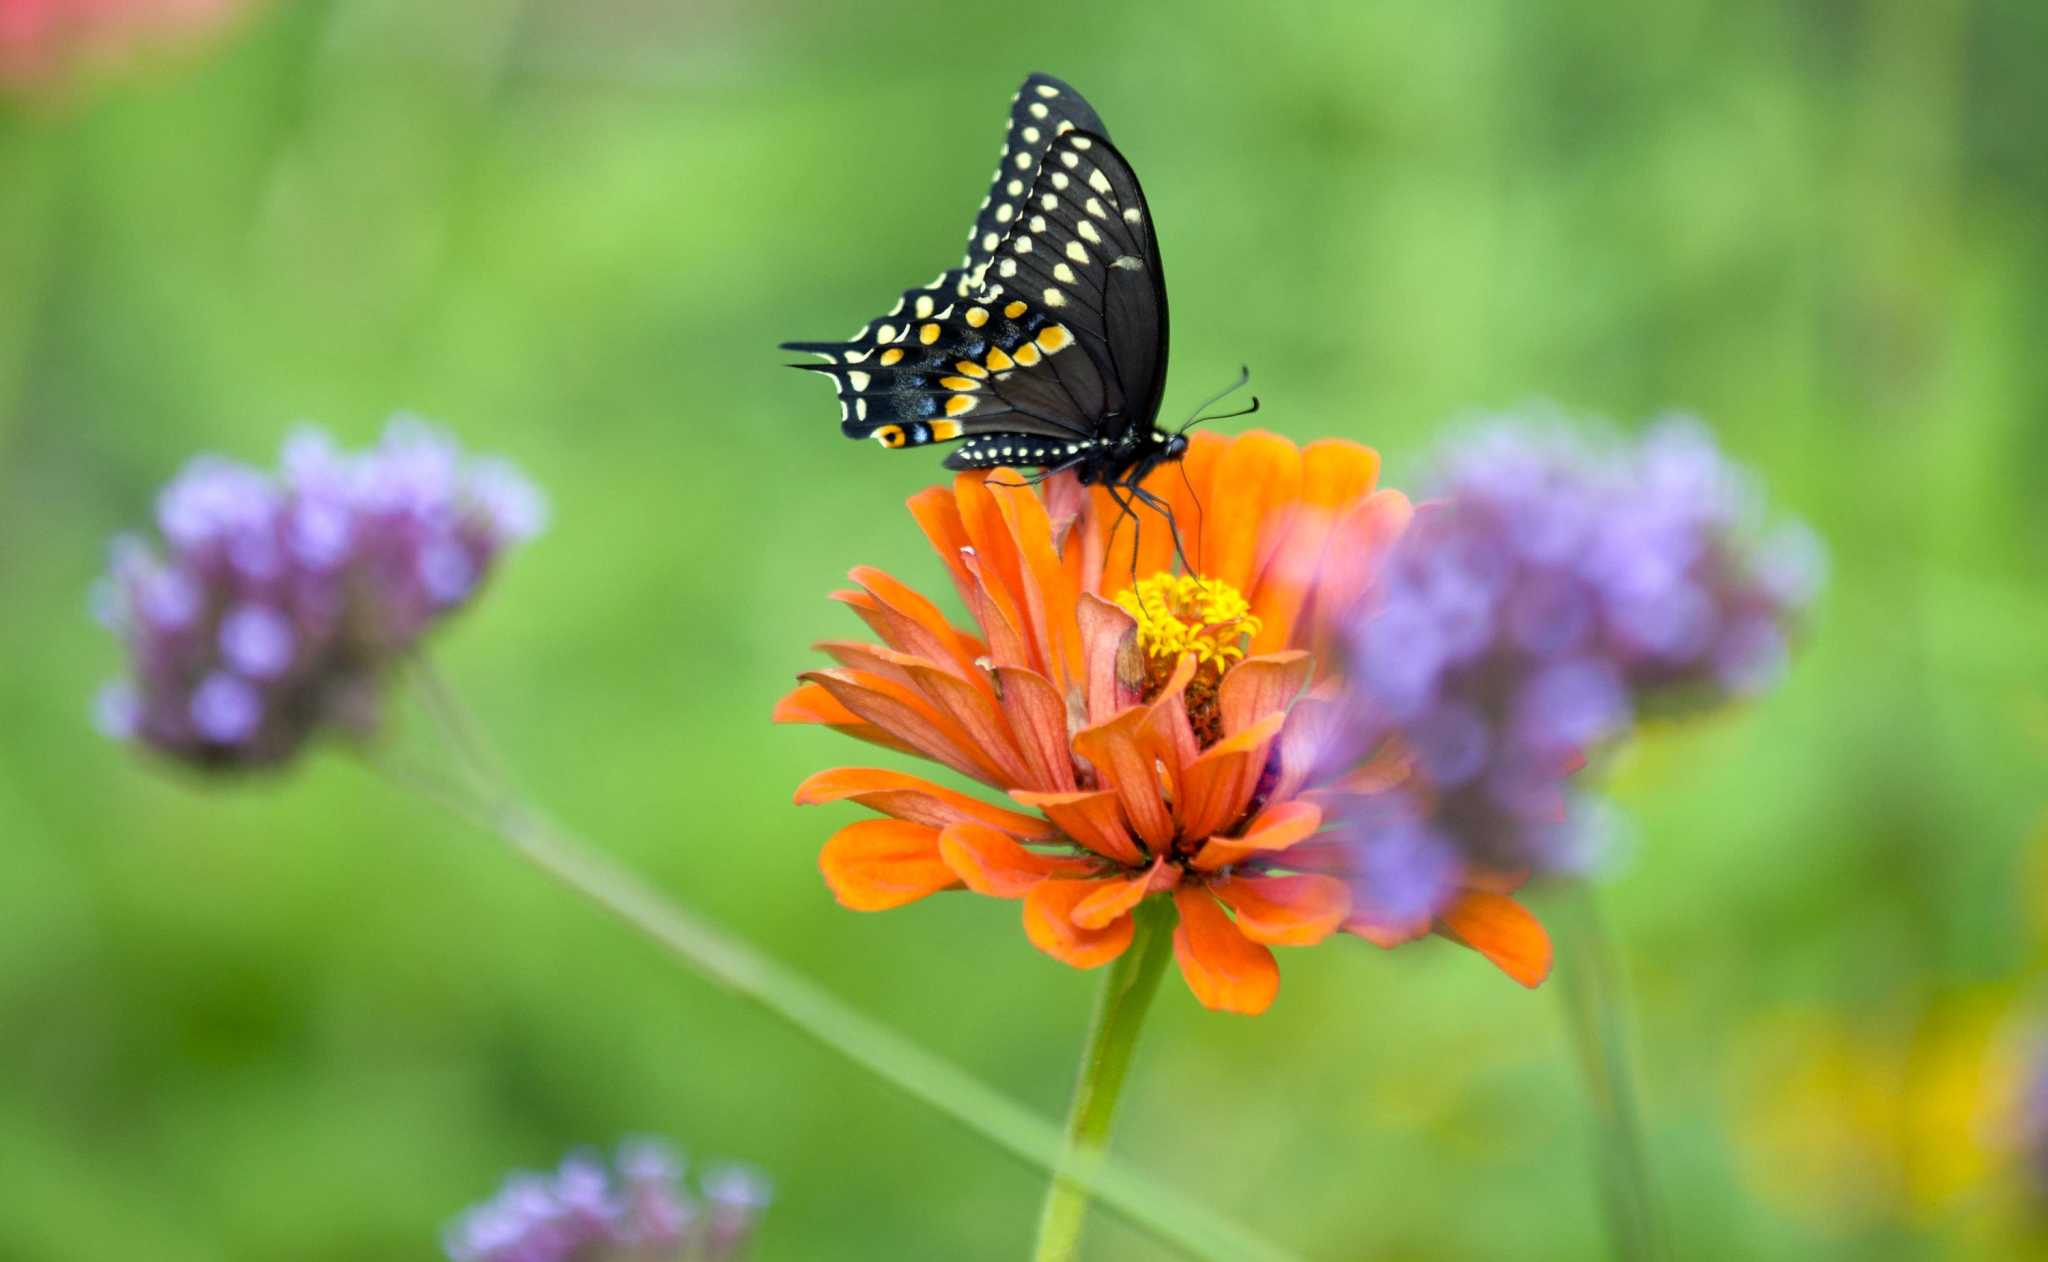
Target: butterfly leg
x=1043 y=474
x=1164 y=509
x=1124 y=510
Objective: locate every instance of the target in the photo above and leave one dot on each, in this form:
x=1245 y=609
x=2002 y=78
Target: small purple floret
x=276 y=603
x=1551 y=592
x=637 y=1209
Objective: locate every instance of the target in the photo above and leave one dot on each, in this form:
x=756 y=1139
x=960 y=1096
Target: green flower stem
x=485 y=798
x=1120 y=1008
x=1590 y=986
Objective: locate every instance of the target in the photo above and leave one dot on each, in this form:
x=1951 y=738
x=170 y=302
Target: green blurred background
x=309 y=1017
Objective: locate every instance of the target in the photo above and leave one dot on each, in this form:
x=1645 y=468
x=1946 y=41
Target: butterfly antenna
x=1244 y=375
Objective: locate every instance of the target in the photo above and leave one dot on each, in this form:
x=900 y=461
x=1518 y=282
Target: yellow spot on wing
x=976 y=317
x=1027 y=354
x=890 y=435
x=928 y=334
x=968 y=368
x=890 y=356
x=1014 y=310
x=1054 y=337
x=943 y=430
x=959 y=383
x=997 y=361
x=958 y=404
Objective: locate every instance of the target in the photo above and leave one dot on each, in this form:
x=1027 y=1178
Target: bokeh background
x=306 y=1016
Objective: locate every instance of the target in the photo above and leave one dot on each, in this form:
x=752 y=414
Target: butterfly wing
x=1083 y=256
x=1042 y=108
x=981 y=350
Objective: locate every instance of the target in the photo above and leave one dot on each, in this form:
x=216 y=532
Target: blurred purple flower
x=638 y=1210
x=277 y=602
x=1551 y=592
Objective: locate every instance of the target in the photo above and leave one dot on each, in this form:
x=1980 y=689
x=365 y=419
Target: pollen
x=1183 y=613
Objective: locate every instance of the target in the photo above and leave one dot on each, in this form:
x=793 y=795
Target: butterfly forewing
x=1051 y=330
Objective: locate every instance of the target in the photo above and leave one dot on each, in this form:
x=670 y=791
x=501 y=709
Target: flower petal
x=1276 y=828
x=1116 y=897
x=1038 y=720
x=1218 y=785
x=906 y=715
x=917 y=800
x=1503 y=931
x=992 y=863
x=1089 y=818
x=973 y=707
x=1227 y=971
x=1049 y=593
x=1263 y=472
x=1049 y=923
x=1260 y=686
x=810 y=703
x=1334 y=473
x=1361 y=539
x=1124 y=760
x=1116 y=666
x=912 y=605
x=1385 y=936
x=1297 y=910
x=938 y=515
x=877 y=864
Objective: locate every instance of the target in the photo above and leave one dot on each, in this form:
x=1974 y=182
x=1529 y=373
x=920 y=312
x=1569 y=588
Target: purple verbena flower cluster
x=277 y=602
x=1550 y=592
x=639 y=1210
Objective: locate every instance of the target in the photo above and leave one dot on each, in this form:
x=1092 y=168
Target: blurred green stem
x=1120 y=1008
x=1590 y=985
x=486 y=798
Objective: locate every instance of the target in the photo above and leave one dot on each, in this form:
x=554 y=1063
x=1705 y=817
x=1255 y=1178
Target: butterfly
x=1045 y=348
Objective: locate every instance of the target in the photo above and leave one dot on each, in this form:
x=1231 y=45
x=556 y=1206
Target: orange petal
x=993 y=863
x=877 y=864
x=1122 y=759
x=1049 y=923
x=1263 y=472
x=1218 y=785
x=1261 y=686
x=1116 y=666
x=1385 y=936
x=809 y=703
x=1167 y=733
x=1361 y=541
x=1115 y=897
x=1227 y=971
x=995 y=556
x=939 y=517
x=1297 y=910
x=919 y=801
x=1503 y=931
x=1090 y=818
x=1006 y=643
x=1334 y=474
x=973 y=707
x=906 y=715
x=1038 y=722
x=1276 y=828
x=1049 y=594
x=909 y=623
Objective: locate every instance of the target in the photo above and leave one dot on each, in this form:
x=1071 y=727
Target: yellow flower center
x=1183 y=613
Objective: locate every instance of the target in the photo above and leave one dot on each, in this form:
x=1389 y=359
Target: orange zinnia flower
x=1150 y=724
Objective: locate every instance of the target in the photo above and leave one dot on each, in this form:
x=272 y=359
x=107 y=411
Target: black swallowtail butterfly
x=1046 y=348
